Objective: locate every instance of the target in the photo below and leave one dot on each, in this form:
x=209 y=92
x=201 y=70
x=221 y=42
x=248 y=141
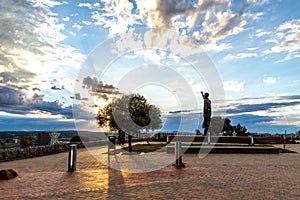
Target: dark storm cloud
x=54 y=108
x=55 y=88
x=17 y=76
x=261 y=124
x=14 y=100
x=250 y=119
x=11 y=96
x=98 y=87
x=260 y=107
x=290 y=97
x=180 y=111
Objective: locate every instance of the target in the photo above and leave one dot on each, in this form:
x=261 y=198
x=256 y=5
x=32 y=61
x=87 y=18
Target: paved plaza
x=216 y=176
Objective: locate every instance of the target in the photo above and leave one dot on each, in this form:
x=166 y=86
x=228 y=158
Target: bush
x=24 y=143
x=30 y=139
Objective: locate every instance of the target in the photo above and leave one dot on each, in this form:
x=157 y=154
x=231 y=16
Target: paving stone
x=216 y=176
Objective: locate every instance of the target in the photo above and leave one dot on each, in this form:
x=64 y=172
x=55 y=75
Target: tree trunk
x=129 y=143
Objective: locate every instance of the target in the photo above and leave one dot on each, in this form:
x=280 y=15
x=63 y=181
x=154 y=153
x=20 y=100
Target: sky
x=61 y=61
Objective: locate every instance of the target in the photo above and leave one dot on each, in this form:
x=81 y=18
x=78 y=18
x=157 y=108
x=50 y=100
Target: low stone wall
x=30 y=152
x=19 y=153
x=227 y=139
x=228 y=149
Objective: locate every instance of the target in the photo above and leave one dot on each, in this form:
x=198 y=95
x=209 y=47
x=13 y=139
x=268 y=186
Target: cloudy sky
x=62 y=60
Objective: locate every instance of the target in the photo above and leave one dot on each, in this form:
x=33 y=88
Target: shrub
x=24 y=143
x=30 y=139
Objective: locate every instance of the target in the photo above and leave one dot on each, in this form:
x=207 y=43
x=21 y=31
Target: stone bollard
x=72 y=158
x=178 y=156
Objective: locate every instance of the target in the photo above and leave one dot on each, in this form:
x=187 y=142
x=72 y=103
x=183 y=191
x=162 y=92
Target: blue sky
x=62 y=60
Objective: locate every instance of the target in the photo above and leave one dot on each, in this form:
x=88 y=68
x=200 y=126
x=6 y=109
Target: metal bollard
x=208 y=138
x=111 y=143
x=251 y=140
x=178 y=155
x=168 y=139
x=72 y=158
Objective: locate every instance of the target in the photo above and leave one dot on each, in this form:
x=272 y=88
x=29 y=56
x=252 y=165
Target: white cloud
x=287 y=40
x=208 y=21
x=288 y=115
x=271 y=41
x=77 y=26
x=254 y=16
x=66 y=19
x=117 y=16
x=251 y=49
x=289 y=56
x=258 y=2
x=221 y=24
x=270 y=80
x=32 y=56
x=234 y=86
x=217 y=47
x=47 y=3
x=89 y=5
x=88 y=23
x=239 y=56
x=292 y=25
x=261 y=33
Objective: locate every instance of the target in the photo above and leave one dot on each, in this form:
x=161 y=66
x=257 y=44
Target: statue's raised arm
x=202 y=94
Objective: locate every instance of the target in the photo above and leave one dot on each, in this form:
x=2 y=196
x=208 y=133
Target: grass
x=146 y=148
x=232 y=145
x=286 y=151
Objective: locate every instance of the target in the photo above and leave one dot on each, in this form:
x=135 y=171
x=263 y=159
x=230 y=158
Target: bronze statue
x=206 y=112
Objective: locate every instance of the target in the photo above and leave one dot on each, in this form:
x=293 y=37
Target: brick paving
x=216 y=176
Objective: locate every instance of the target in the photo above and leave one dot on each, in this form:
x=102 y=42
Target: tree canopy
x=240 y=130
x=130 y=113
x=224 y=125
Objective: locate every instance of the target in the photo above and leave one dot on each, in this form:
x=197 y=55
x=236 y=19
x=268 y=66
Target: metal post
x=72 y=158
x=284 y=140
x=251 y=140
x=208 y=138
x=168 y=139
x=178 y=155
x=111 y=143
x=108 y=155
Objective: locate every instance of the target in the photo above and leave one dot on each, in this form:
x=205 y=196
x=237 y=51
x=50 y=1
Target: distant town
x=11 y=139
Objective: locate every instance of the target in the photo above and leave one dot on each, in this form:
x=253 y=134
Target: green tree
x=154 y=114
x=30 y=138
x=224 y=124
x=219 y=124
x=240 y=130
x=227 y=128
x=130 y=113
